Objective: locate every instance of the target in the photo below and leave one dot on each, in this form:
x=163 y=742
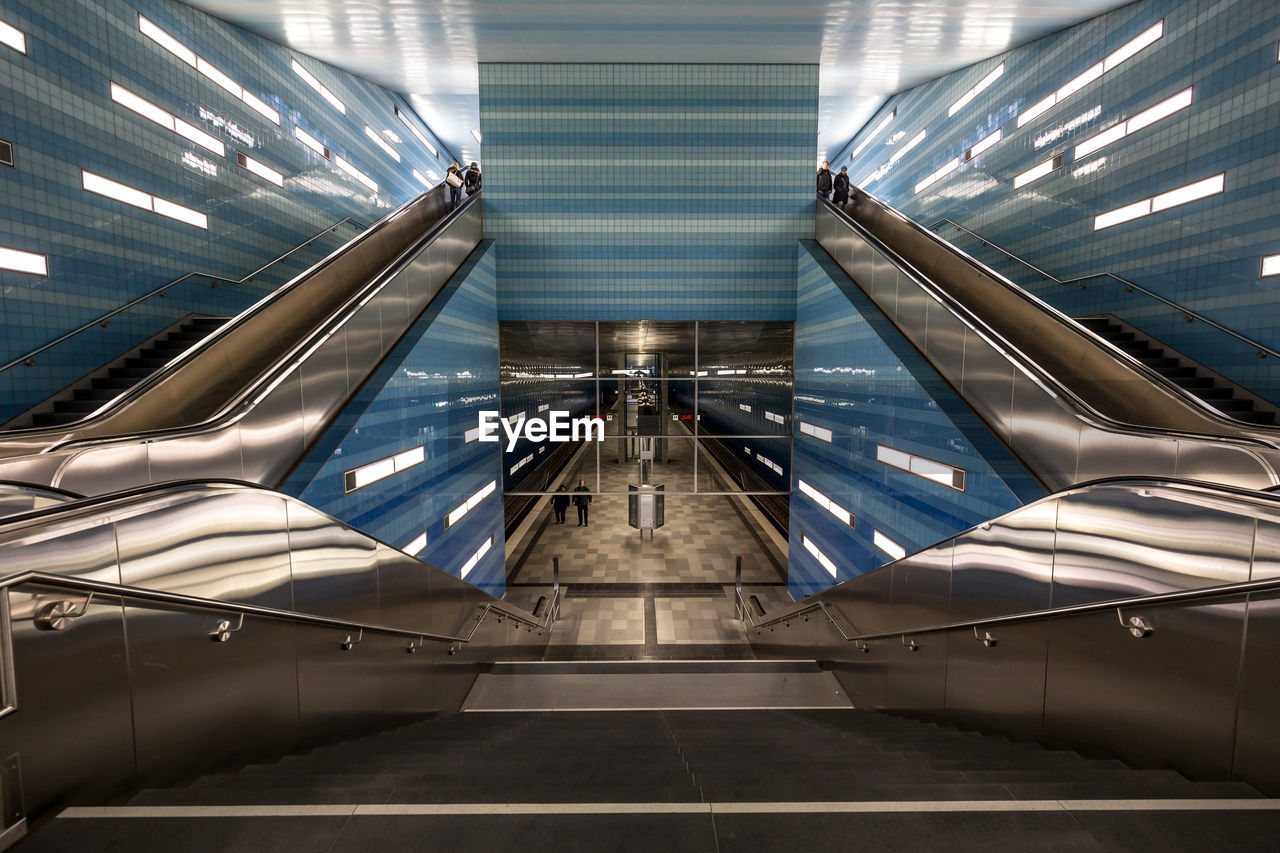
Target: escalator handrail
x=269 y=377
x=1182 y=309
x=22 y=359
x=1241 y=433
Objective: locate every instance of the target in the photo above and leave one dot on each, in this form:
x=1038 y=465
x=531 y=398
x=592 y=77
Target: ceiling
x=868 y=49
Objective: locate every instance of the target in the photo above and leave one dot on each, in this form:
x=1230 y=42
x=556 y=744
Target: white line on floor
x=839 y=707
x=856 y=807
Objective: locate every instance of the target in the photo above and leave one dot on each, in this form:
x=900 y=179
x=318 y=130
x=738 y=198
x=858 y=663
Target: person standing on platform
x=582 y=500
x=453 y=178
x=473 y=179
x=560 y=503
x=841 y=185
x=824 y=180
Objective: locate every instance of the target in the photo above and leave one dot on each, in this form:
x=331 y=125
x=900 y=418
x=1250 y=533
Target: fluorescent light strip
x=469 y=504
x=372 y=472
x=165 y=119
x=1126 y=51
x=1270 y=265
x=311 y=142
x=922 y=466
x=884 y=122
x=820 y=433
x=1164 y=201
x=382 y=143
x=474 y=559
x=968 y=96
x=355 y=173
x=471 y=435
x=985 y=144
x=1147 y=117
x=416 y=545
x=884 y=543
x=822 y=558
x=311 y=81
x=902 y=152
x=777 y=469
x=776 y=418
x=1034 y=173
x=32 y=263
x=419 y=134
x=744 y=407
x=423 y=179
x=938 y=175
x=207 y=68
x=137 y=198
x=826 y=503
x=13 y=37
x=260 y=169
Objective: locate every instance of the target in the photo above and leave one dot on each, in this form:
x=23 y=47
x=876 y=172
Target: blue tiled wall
x=1205 y=255
x=858 y=377
x=56 y=108
x=428 y=392
x=626 y=192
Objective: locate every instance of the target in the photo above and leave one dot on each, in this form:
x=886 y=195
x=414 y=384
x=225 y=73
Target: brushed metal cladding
x=1257 y=739
x=856 y=257
x=170 y=458
x=16 y=498
x=1042 y=430
x=1266 y=547
x=86 y=471
x=913 y=309
x=884 y=285
x=271 y=433
x=1004 y=566
x=324 y=384
x=404 y=588
x=942 y=341
x=1167 y=697
x=988 y=383
x=335 y=568
x=998 y=683
x=917 y=665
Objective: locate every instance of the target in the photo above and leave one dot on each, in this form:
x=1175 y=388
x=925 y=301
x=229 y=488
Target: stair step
x=142 y=361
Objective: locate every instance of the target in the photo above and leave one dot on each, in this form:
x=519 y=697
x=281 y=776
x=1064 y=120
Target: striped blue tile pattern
x=1205 y=255
x=659 y=192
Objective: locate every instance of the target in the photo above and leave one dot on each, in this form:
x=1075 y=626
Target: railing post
x=555 y=588
x=737 y=586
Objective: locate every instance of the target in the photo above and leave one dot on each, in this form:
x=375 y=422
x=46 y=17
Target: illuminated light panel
x=820 y=433
x=260 y=106
x=211 y=71
x=372 y=472
x=822 y=558
x=968 y=96
x=766 y=461
x=884 y=543
x=416 y=545
x=469 y=504
x=1270 y=265
x=311 y=142
x=310 y=80
x=1126 y=51
x=382 y=143
x=744 y=407
x=168 y=42
x=776 y=418
x=117 y=191
x=884 y=122
x=475 y=558
x=985 y=144
x=1038 y=171
x=922 y=466
x=1164 y=201
x=260 y=169
x=1147 y=117
x=423 y=179
x=471 y=435
x=938 y=175
x=165 y=119
x=13 y=37
x=1122 y=214
x=32 y=263
x=826 y=503
x=422 y=137
x=355 y=173
x=902 y=152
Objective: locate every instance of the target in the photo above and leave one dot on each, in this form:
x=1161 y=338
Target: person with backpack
x=582 y=500
x=473 y=179
x=824 y=180
x=453 y=177
x=841 y=185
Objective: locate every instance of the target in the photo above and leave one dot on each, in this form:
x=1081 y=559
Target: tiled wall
x=654 y=192
x=57 y=110
x=427 y=394
x=858 y=377
x=1205 y=255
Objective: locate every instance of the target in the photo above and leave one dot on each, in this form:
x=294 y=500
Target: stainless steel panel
x=987 y=384
x=883 y=286
x=995 y=679
x=913 y=307
x=404 y=589
x=1005 y=566
x=943 y=342
x=212 y=453
x=325 y=387
x=364 y=345
x=1045 y=433
x=1223 y=463
x=335 y=568
x=104 y=468
x=861 y=260
x=918 y=664
x=1257 y=738
x=271 y=433
x=1140 y=698
x=1104 y=452
x=1266 y=546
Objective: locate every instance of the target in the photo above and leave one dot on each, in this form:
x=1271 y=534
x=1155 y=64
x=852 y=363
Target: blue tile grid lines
x=1205 y=255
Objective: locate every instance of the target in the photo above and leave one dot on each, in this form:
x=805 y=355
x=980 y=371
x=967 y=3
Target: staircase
x=747 y=777
x=1223 y=395
x=90 y=393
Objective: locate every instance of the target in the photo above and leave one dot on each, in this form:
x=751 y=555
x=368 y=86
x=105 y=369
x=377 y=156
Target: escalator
x=249 y=399
x=1071 y=405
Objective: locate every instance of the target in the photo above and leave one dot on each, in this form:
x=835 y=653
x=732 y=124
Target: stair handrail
x=1262 y=349
x=29 y=359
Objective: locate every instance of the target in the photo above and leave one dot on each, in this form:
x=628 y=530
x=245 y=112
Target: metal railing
x=29 y=359
x=1262 y=349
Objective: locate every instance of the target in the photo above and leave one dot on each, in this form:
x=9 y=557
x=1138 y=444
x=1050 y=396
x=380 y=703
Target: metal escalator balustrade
x=1070 y=406
x=1134 y=617
x=250 y=399
x=151 y=634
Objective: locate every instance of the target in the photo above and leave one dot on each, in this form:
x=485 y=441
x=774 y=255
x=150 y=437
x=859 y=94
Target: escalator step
x=95 y=394
x=113 y=383
x=1176 y=373
x=1256 y=417
x=143 y=361
x=47 y=419
x=1233 y=405
x=1192 y=383
x=1158 y=361
x=134 y=374
x=76 y=407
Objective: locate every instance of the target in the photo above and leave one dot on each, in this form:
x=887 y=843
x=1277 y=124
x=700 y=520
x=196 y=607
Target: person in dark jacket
x=841 y=185
x=560 y=503
x=582 y=500
x=824 y=180
x=455 y=192
x=472 y=179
